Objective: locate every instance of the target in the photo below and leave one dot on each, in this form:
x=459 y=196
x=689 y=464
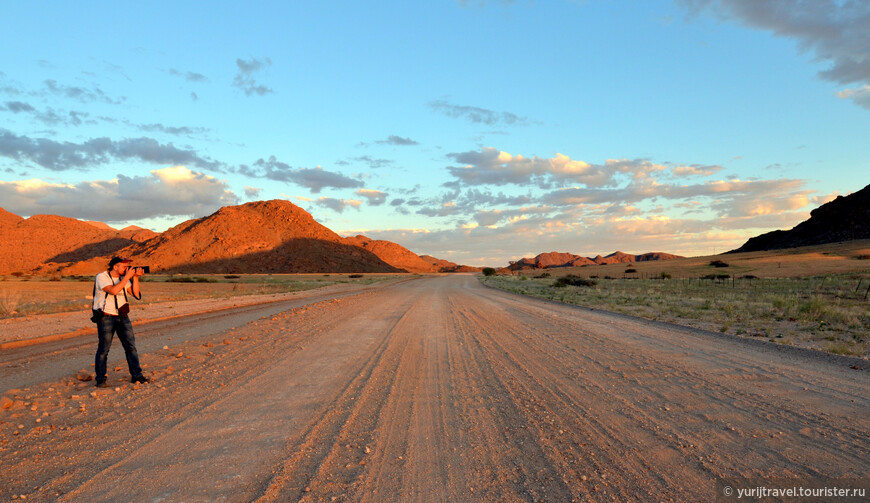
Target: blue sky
x=478 y=132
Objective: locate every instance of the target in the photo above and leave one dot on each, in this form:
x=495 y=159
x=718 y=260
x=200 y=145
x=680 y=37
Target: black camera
x=145 y=268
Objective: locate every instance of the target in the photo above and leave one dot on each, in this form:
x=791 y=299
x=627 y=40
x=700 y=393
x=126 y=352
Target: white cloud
x=375 y=197
x=174 y=191
x=337 y=205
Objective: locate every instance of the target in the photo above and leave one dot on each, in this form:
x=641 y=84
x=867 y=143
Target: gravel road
x=435 y=389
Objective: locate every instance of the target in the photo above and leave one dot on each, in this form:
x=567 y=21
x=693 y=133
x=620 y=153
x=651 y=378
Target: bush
x=630 y=270
x=188 y=279
x=543 y=275
x=355 y=276
x=232 y=276
x=488 y=271
x=863 y=257
x=718 y=263
x=574 y=281
x=665 y=275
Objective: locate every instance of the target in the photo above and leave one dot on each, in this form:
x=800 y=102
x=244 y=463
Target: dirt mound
x=259 y=237
x=137 y=234
x=26 y=244
x=446 y=266
x=559 y=259
x=394 y=254
x=843 y=219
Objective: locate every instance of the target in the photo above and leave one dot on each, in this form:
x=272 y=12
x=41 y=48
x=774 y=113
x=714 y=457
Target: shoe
x=141 y=379
x=101 y=383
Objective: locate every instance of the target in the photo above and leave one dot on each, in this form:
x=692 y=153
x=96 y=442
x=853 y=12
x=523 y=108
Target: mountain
x=394 y=254
x=259 y=237
x=446 y=266
x=27 y=243
x=846 y=218
x=557 y=259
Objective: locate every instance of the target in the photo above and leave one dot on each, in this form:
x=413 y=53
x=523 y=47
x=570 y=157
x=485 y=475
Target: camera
x=145 y=268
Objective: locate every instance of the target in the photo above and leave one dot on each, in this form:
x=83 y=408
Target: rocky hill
x=446 y=266
x=846 y=218
x=259 y=237
x=394 y=254
x=27 y=243
x=557 y=259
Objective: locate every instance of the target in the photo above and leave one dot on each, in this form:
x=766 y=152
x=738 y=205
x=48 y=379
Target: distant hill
x=846 y=218
x=446 y=266
x=27 y=243
x=394 y=254
x=557 y=259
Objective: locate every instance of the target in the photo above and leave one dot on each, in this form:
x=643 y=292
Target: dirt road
x=438 y=389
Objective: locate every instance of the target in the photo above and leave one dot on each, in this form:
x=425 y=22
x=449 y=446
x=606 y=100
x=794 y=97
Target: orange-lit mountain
x=26 y=243
x=259 y=237
x=394 y=254
x=557 y=259
x=446 y=266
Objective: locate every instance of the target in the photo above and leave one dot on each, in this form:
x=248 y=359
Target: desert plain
x=418 y=387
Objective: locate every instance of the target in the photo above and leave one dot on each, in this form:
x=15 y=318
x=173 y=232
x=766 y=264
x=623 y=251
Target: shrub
x=543 y=275
x=574 y=281
x=18 y=274
x=718 y=263
x=355 y=276
x=665 y=275
x=863 y=257
x=232 y=276
x=188 y=279
x=488 y=271
x=630 y=270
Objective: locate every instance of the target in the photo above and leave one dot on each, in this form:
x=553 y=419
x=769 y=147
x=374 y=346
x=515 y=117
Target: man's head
x=119 y=264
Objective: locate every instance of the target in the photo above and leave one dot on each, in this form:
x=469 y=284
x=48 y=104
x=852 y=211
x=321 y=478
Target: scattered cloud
x=174 y=191
x=315 y=179
x=490 y=166
x=477 y=115
x=252 y=192
x=245 y=80
x=834 y=32
x=80 y=94
x=860 y=95
x=337 y=205
x=373 y=162
x=397 y=141
x=189 y=76
x=375 y=197
x=63 y=155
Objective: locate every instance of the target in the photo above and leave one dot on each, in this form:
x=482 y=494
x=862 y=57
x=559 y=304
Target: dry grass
x=811 y=297
x=30 y=296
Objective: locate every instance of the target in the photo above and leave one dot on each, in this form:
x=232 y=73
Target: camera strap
x=115 y=296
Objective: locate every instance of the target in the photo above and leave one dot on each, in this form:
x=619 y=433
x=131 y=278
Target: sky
x=475 y=131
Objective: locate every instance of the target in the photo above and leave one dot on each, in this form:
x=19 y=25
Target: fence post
x=860 y=280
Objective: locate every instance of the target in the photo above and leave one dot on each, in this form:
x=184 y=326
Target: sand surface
x=434 y=389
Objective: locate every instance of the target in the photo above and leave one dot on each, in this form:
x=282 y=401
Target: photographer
x=110 y=310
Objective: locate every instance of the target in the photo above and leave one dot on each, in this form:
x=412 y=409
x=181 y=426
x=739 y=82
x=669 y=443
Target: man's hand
x=139 y=271
x=131 y=271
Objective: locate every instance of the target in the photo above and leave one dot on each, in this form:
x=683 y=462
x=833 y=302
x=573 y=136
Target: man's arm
x=116 y=288
x=134 y=289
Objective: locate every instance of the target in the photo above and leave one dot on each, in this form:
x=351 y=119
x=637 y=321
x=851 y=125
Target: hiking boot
x=101 y=383
x=141 y=379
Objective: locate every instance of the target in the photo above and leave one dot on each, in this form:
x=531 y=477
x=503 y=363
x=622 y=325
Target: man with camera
x=110 y=314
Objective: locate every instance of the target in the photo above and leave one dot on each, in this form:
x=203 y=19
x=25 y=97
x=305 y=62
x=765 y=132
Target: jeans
x=106 y=328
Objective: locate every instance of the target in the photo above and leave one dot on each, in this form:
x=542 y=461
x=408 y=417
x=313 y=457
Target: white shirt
x=105 y=301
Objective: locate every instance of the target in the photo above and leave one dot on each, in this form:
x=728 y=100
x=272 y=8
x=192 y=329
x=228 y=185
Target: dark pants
x=106 y=328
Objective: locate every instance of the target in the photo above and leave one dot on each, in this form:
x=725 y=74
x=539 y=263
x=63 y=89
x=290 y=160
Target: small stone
x=367 y=450
x=307 y=489
x=165 y=347
x=6 y=402
x=583 y=478
x=81 y=376
x=179 y=355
